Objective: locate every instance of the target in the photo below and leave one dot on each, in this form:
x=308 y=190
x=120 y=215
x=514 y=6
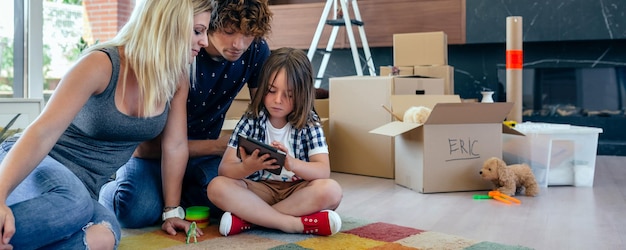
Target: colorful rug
x=354 y=234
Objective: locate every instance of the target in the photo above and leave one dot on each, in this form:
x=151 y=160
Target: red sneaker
x=325 y=222
x=231 y=224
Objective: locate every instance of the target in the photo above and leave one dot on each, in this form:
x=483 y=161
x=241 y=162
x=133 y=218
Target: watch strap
x=178 y=212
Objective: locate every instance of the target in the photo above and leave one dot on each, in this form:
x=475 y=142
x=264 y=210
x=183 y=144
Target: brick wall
x=105 y=18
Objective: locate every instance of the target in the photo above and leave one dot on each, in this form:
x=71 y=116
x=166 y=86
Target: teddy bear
x=510 y=179
x=416 y=114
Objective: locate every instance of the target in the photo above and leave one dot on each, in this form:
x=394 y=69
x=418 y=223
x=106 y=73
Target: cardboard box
x=355 y=109
x=445 y=72
x=446 y=153
x=559 y=154
x=424 y=48
x=322 y=109
x=402 y=70
x=418 y=85
x=240 y=104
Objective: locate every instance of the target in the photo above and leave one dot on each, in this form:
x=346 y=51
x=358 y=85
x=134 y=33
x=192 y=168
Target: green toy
x=192 y=233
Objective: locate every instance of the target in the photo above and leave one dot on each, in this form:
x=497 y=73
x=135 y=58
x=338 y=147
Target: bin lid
x=554 y=128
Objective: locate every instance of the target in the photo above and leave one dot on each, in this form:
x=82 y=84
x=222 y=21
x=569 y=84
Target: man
x=233 y=58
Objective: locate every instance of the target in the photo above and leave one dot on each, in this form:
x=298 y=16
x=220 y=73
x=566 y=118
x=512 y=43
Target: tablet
x=250 y=144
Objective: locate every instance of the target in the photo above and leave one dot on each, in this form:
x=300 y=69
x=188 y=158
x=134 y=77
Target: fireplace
x=594 y=97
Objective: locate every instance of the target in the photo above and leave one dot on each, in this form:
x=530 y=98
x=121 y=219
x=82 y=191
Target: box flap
x=469 y=113
x=395 y=128
x=511 y=131
x=400 y=103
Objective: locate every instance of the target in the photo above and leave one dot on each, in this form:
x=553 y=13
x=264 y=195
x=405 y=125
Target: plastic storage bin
x=559 y=154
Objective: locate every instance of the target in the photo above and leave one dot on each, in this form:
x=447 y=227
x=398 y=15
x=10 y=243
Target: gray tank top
x=101 y=139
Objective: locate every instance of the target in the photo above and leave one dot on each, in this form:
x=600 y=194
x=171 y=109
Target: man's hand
x=222 y=143
x=172 y=225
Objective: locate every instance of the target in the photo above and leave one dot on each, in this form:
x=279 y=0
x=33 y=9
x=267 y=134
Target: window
x=6 y=51
x=53 y=34
x=63 y=39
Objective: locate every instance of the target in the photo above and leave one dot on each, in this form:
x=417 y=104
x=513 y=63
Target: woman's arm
x=89 y=76
x=174 y=147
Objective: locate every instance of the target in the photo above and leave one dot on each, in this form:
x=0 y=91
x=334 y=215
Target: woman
x=120 y=93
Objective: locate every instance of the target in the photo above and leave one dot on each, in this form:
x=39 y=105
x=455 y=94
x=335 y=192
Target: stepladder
x=341 y=18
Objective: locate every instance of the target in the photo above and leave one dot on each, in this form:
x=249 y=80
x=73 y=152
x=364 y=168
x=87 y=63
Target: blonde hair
x=157 y=47
x=200 y=6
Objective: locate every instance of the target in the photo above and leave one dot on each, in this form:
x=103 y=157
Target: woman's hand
x=172 y=225
x=7 y=226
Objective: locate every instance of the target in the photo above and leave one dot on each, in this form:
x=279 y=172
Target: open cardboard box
x=355 y=109
x=446 y=153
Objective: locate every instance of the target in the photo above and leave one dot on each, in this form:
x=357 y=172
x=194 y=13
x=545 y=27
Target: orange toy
x=496 y=195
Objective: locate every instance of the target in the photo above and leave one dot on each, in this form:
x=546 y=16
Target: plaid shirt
x=302 y=141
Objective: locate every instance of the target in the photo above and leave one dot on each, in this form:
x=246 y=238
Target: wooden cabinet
x=295 y=21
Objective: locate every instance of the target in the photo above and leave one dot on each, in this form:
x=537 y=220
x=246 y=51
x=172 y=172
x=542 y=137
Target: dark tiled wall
x=476 y=67
x=574 y=33
x=546 y=20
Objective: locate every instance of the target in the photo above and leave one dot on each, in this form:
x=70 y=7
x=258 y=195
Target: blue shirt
x=216 y=85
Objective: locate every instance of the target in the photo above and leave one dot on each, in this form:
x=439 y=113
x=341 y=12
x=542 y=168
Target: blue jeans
x=52 y=208
x=136 y=195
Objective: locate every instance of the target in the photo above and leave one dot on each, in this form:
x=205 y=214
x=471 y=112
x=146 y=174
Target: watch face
x=181 y=212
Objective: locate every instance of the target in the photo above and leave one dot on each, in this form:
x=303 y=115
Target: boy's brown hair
x=249 y=17
x=299 y=73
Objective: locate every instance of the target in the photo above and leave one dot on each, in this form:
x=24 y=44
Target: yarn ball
x=416 y=114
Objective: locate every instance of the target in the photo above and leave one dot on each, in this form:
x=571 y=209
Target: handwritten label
x=462 y=149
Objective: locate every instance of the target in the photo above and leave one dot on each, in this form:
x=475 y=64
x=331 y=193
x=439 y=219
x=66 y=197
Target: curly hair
x=249 y=17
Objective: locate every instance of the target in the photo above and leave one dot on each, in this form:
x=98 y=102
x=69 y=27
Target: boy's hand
x=288 y=159
x=256 y=162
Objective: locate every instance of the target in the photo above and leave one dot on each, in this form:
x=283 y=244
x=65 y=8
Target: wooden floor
x=561 y=217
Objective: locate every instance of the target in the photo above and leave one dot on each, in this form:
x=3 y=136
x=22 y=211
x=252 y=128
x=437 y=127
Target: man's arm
x=208 y=147
x=213 y=147
x=152 y=149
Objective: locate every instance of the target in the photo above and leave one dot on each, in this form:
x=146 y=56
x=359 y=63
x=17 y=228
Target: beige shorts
x=273 y=192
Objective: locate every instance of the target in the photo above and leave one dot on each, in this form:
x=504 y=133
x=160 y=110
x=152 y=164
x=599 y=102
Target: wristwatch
x=175 y=212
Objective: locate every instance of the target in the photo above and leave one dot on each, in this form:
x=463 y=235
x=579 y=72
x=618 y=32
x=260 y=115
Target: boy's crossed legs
x=292 y=207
